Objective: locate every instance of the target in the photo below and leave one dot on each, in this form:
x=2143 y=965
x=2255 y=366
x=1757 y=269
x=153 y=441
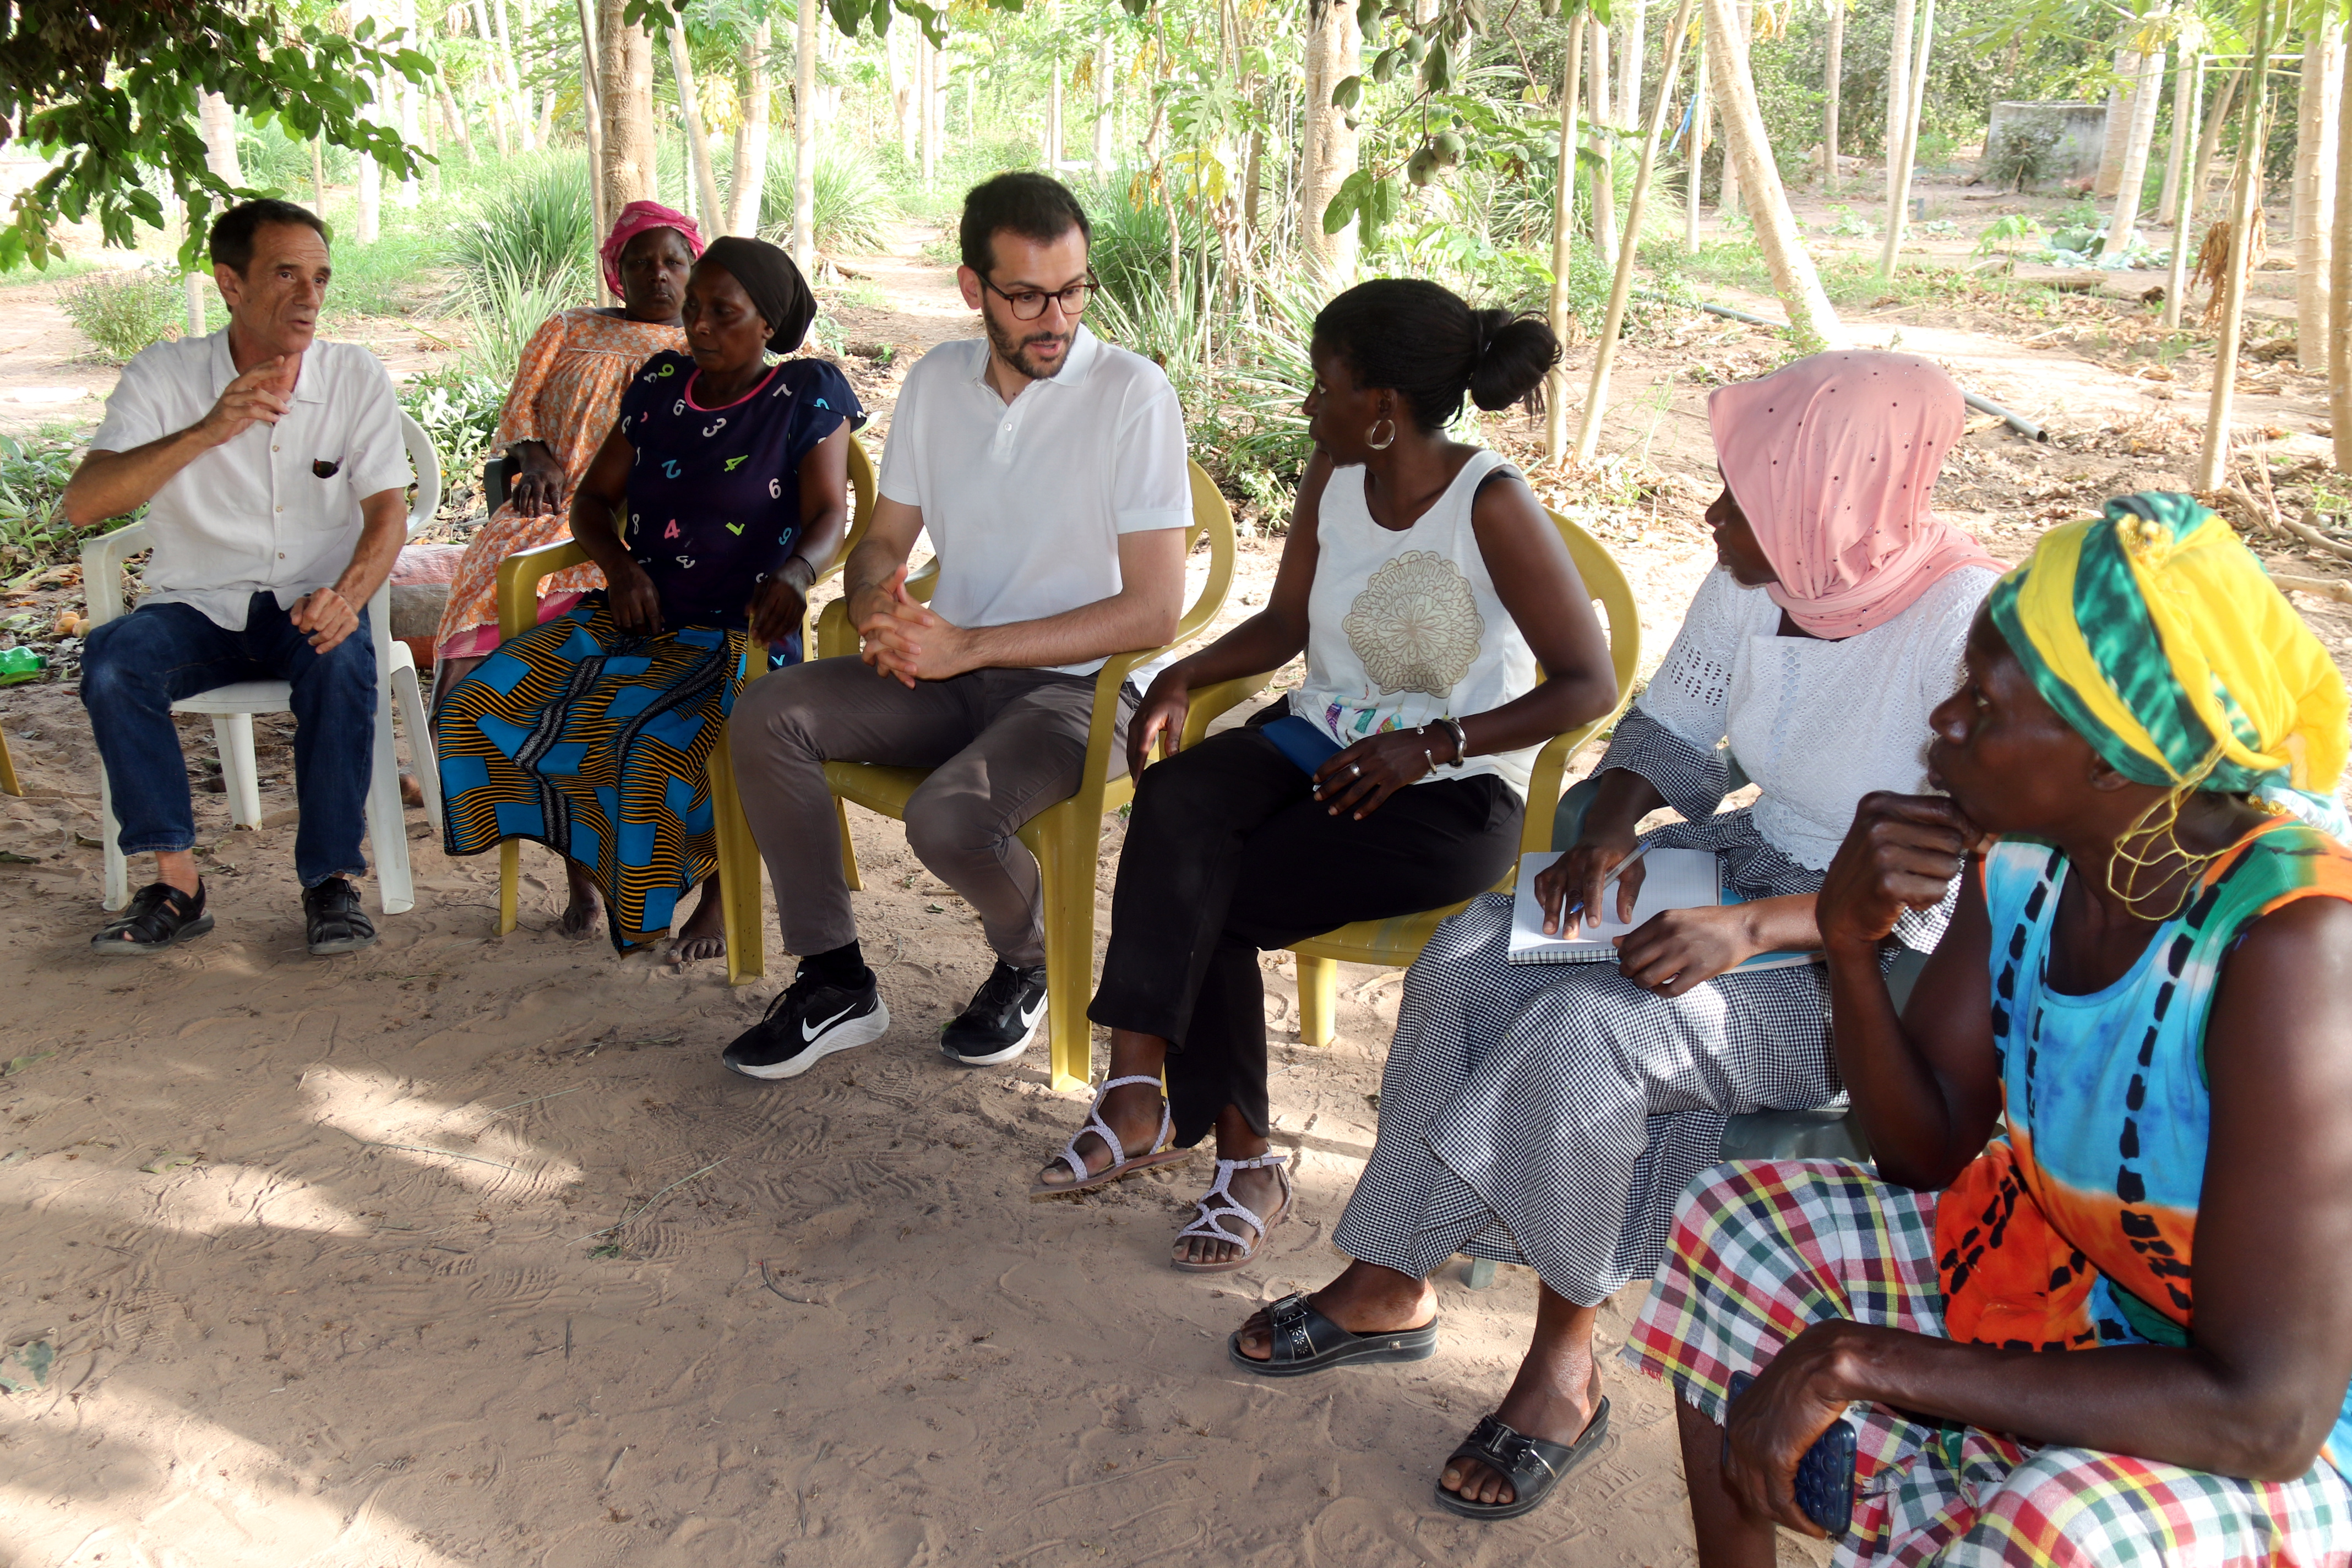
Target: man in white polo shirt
x=275 y=476
x=1048 y=467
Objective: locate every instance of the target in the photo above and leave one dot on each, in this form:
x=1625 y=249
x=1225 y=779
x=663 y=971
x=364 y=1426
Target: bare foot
x=412 y=794
x=1258 y=1189
x=1133 y=1112
x=581 y=915
x=1554 y=1397
x=1366 y=1300
x=704 y=934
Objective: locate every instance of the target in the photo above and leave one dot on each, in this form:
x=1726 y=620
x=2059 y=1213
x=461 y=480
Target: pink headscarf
x=1833 y=459
x=635 y=219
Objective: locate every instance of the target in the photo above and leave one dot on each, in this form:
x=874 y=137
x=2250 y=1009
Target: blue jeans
x=135 y=667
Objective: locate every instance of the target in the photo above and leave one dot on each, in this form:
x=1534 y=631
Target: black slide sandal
x=1533 y=1465
x=159 y=916
x=1305 y=1340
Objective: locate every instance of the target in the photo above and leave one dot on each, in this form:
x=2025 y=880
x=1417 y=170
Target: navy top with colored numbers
x=715 y=493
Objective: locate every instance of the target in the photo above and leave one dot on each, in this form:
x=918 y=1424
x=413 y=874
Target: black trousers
x=1227 y=853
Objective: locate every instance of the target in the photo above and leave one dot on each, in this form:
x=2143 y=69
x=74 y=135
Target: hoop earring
x=1381 y=445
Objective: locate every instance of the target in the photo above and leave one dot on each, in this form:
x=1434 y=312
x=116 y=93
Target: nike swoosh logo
x=809 y=1032
x=1029 y=1016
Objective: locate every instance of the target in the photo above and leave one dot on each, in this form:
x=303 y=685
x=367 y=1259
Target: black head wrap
x=778 y=291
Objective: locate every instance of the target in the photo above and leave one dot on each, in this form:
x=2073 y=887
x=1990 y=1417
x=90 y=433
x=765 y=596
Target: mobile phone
x=1824 y=1483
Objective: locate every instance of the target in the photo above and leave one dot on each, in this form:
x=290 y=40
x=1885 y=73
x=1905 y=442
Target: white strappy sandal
x=1207 y=1223
x=1161 y=1154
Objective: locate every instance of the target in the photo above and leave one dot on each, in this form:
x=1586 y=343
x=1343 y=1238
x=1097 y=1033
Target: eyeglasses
x=1028 y=304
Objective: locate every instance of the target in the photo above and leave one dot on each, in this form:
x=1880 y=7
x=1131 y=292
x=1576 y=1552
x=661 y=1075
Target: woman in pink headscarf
x=566 y=393
x=1550 y=1115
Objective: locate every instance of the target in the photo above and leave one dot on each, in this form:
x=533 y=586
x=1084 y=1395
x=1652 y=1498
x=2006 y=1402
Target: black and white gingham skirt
x=1552 y=1114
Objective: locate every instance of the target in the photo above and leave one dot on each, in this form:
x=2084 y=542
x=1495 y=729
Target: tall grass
x=539 y=232
x=123 y=312
x=854 y=205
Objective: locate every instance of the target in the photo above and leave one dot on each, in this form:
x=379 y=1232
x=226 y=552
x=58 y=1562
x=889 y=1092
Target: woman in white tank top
x=1423 y=583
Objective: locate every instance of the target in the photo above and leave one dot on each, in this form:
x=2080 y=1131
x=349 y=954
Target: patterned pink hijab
x=1833 y=459
x=635 y=219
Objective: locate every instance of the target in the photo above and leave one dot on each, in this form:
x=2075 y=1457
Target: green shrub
x=34 y=532
x=458 y=407
x=123 y=312
x=504 y=309
x=852 y=205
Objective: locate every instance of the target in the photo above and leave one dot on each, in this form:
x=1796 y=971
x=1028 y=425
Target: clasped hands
x=900 y=635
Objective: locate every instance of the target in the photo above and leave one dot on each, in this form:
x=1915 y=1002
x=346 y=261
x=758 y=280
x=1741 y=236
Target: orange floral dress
x=567 y=393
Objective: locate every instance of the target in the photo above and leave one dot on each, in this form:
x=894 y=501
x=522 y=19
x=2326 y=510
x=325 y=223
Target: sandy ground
x=401 y=1258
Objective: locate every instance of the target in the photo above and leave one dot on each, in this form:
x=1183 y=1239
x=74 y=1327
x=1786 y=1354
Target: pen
x=1615 y=876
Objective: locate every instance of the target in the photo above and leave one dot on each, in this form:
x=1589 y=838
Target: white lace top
x=1816 y=725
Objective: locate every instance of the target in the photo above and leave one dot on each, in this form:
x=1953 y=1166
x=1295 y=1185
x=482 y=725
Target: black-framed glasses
x=1028 y=304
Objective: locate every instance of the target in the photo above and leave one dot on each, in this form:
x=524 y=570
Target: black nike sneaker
x=806 y=1023
x=1000 y=1021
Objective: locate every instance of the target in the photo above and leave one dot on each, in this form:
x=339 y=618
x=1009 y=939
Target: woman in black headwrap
x=711 y=506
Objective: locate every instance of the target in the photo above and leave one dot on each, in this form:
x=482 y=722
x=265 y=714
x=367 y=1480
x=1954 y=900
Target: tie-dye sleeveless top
x=2077 y=1228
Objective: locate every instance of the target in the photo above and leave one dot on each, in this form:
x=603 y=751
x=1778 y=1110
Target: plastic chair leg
x=848 y=850
x=1318 y=1000
x=240 y=776
x=8 y=785
x=408 y=695
x=738 y=872
x=1480 y=1275
x=117 y=869
x=1069 y=921
x=509 y=881
x=387 y=822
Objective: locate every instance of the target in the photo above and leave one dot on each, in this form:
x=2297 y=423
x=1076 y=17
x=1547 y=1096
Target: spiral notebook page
x=1675 y=879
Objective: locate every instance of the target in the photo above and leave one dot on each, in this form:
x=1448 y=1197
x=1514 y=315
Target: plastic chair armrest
x=102 y=569
x=518 y=578
x=1212 y=701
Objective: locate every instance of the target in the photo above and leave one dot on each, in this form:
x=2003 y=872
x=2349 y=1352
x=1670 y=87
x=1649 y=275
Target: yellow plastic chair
x=1394 y=944
x=739 y=856
x=1066 y=837
x=8 y=785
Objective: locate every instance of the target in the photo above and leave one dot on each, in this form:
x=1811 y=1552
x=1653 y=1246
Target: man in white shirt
x=275 y=476
x=1049 y=469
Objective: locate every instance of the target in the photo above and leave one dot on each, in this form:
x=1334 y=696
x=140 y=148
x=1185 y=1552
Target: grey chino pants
x=1001 y=745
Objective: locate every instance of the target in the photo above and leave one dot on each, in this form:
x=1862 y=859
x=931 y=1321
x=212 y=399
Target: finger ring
x=1355 y=769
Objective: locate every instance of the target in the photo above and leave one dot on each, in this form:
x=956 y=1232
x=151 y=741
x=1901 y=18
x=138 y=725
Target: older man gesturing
x=275 y=471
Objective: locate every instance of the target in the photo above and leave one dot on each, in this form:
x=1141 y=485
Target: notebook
x=1676 y=879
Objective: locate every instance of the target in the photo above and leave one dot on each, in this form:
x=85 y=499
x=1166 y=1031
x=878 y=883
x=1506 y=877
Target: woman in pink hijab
x=1550 y=1114
x=566 y=393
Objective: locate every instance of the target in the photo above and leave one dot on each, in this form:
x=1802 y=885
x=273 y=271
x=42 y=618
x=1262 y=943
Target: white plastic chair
x=234 y=706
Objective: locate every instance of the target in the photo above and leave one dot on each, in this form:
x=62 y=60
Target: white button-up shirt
x=1025 y=502
x=277 y=508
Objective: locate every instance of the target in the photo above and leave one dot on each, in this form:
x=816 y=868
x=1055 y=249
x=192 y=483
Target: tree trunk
x=1812 y=323
x=1053 y=138
x=1632 y=16
x=804 y=142
x=317 y=176
x=926 y=90
x=499 y=106
x=2176 y=147
x=1898 y=93
x=2147 y=90
x=410 y=133
x=698 y=142
x=518 y=101
x=2187 y=106
x=1563 y=236
x=1702 y=110
x=218 y=122
x=2209 y=142
x=2245 y=208
x=750 y=181
x=1730 y=201
x=1833 y=85
x=625 y=97
x=2339 y=274
x=593 y=116
x=1334 y=52
x=1106 y=67
x=2315 y=180
x=2116 y=133
x=1604 y=175
x=1898 y=211
x=1604 y=353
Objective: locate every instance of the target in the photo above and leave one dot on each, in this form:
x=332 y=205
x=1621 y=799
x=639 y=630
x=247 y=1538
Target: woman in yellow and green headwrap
x=2121 y=1331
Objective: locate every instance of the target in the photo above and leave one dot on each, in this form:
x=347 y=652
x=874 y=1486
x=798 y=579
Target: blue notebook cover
x=1301 y=742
